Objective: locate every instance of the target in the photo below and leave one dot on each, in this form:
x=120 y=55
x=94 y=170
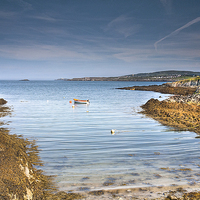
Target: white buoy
x=112 y=131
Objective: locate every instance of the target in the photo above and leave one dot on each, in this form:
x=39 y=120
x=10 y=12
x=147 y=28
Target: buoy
x=112 y=131
x=73 y=106
x=70 y=101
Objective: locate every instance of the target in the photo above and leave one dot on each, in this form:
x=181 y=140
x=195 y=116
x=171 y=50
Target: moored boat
x=81 y=101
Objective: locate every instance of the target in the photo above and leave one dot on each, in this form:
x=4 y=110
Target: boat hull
x=78 y=101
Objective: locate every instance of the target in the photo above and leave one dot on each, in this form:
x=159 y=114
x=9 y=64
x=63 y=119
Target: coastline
x=181 y=116
x=20 y=176
x=151 y=192
x=181 y=111
x=173 y=192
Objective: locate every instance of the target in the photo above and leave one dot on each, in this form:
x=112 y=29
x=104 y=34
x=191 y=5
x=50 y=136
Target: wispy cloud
x=7 y=14
x=24 y=4
x=145 y=53
x=44 y=52
x=123 y=25
x=177 y=30
x=167 y=5
x=138 y=53
x=44 y=18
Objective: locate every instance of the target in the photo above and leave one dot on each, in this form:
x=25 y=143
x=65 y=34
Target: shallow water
x=77 y=145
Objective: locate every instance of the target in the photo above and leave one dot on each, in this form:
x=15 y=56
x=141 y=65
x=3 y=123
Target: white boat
x=81 y=101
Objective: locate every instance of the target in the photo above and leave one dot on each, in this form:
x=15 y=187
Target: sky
x=51 y=39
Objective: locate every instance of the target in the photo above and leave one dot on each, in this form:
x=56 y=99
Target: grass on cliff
x=188 y=79
x=179 y=115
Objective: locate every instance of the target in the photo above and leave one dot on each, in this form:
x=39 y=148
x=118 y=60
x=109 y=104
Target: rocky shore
x=181 y=111
x=181 y=116
x=20 y=176
x=164 y=88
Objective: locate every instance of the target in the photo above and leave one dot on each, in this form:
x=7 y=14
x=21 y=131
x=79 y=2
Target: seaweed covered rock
x=164 y=88
x=179 y=115
x=2 y=101
x=4 y=110
x=19 y=178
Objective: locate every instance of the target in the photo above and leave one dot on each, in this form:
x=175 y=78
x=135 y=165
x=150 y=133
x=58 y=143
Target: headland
x=160 y=76
x=181 y=111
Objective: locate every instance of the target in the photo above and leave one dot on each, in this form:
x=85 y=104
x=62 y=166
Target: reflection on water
x=76 y=140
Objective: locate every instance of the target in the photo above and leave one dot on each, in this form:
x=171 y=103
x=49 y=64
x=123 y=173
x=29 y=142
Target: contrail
x=177 y=30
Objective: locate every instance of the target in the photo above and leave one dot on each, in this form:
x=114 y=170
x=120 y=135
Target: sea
x=75 y=140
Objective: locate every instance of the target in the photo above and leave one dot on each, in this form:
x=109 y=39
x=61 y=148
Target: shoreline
x=151 y=192
x=21 y=177
x=164 y=89
x=181 y=111
x=189 y=192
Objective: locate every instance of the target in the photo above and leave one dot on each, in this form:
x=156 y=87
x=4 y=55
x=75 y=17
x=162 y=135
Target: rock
x=194 y=82
x=195 y=98
x=171 y=197
x=2 y=101
x=198 y=90
x=24 y=80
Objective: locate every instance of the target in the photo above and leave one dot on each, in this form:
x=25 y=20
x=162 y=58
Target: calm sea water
x=76 y=143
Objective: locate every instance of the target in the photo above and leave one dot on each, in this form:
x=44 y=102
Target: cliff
x=191 y=82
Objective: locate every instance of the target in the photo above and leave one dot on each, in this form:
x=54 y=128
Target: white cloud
x=25 y=5
x=7 y=14
x=44 y=52
x=123 y=25
x=145 y=53
x=167 y=5
x=132 y=55
x=44 y=17
x=177 y=30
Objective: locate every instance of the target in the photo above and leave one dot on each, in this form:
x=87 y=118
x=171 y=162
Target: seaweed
x=21 y=176
x=180 y=115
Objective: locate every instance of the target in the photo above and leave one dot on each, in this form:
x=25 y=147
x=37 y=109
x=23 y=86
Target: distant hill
x=165 y=76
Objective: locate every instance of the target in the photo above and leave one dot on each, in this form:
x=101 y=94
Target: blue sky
x=50 y=39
